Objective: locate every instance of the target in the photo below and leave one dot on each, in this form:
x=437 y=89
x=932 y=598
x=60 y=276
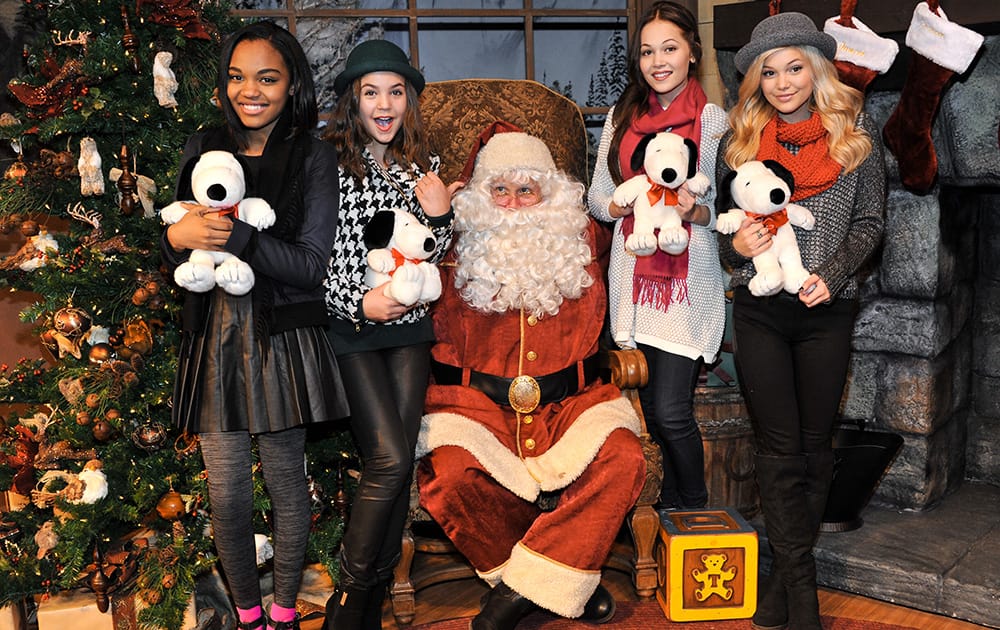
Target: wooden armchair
x=455 y=112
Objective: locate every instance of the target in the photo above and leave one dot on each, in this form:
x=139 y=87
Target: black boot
x=372 y=617
x=503 y=609
x=285 y=625
x=772 y=604
x=600 y=608
x=346 y=607
x=791 y=532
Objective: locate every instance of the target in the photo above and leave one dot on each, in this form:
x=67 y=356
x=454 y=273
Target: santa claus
x=530 y=462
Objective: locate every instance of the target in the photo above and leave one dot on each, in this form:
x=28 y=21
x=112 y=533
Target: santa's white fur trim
x=861 y=46
x=555 y=469
x=513 y=150
x=493 y=577
x=947 y=44
x=552 y=585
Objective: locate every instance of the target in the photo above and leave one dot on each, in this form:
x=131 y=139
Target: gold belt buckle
x=524 y=394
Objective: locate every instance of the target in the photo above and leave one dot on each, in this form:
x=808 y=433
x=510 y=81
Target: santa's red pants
x=552 y=557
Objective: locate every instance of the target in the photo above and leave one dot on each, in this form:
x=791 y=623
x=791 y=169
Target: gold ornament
x=71 y=321
x=102 y=430
x=171 y=506
x=100 y=352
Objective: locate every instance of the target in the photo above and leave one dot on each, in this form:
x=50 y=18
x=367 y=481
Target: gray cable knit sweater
x=849 y=221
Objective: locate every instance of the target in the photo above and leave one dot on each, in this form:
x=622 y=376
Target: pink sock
x=280 y=613
x=247 y=615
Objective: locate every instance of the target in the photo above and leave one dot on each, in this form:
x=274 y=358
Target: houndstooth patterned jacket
x=381 y=189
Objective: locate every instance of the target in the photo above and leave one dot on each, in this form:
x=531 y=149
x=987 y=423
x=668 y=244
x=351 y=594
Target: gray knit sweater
x=849 y=221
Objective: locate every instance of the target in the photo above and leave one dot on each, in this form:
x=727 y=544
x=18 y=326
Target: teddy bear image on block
x=398 y=247
x=218 y=181
x=669 y=160
x=762 y=189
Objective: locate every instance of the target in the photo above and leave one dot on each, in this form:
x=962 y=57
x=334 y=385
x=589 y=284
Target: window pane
x=326 y=43
x=259 y=4
x=301 y=5
x=602 y=5
x=584 y=59
x=470 y=4
x=459 y=48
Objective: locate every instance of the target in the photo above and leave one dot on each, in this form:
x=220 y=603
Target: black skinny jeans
x=792 y=363
x=668 y=405
x=386 y=390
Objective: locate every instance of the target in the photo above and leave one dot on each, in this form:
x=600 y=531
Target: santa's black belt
x=550 y=388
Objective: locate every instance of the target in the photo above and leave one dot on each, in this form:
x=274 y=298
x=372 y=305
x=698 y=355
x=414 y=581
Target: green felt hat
x=377 y=55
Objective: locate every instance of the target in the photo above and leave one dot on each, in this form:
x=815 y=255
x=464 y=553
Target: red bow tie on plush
x=233 y=210
x=398 y=258
x=771 y=222
x=657 y=191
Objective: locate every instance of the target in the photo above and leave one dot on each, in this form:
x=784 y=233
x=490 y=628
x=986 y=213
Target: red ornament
x=179 y=14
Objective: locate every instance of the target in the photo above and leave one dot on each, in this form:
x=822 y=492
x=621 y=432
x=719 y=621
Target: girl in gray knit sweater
x=792 y=349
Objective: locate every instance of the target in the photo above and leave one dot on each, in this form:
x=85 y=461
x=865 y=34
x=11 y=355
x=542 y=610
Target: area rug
x=649 y=616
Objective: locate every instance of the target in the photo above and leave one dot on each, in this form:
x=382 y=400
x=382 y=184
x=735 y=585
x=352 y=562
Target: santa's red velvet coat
x=485 y=465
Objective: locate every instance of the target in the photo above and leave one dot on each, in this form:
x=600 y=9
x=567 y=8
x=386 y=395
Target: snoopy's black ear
x=692 y=157
x=183 y=190
x=639 y=154
x=378 y=231
x=786 y=175
x=724 y=200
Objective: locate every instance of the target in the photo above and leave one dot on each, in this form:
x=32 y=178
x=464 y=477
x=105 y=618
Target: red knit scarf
x=661 y=279
x=812 y=167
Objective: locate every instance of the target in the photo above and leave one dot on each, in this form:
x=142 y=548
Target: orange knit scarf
x=813 y=168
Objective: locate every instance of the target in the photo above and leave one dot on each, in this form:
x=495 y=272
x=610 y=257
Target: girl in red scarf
x=670 y=307
x=792 y=350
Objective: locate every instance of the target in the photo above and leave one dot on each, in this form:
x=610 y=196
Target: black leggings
x=386 y=390
x=228 y=460
x=792 y=363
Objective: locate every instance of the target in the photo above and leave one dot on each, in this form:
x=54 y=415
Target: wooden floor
x=461 y=599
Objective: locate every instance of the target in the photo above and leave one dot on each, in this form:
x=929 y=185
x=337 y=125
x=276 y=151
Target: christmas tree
x=113 y=498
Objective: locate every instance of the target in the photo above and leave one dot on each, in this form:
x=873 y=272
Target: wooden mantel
x=734 y=22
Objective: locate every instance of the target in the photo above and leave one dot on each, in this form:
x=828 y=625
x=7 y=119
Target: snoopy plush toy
x=763 y=189
x=217 y=181
x=398 y=246
x=669 y=160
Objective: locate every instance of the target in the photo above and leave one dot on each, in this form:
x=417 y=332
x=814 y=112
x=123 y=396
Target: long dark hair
x=304 y=112
x=634 y=100
x=347 y=133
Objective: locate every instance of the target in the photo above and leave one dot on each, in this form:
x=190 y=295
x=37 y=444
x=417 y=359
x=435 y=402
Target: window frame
x=528 y=14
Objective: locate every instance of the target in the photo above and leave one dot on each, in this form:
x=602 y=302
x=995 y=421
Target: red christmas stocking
x=941 y=50
x=861 y=53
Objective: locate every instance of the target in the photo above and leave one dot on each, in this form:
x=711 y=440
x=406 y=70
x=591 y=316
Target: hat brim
x=345 y=78
x=823 y=42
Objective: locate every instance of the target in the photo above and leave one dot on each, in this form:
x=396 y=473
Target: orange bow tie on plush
x=398 y=258
x=771 y=222
x=657 y=191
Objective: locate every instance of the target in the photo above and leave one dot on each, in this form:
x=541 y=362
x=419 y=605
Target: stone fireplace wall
x=926 y=360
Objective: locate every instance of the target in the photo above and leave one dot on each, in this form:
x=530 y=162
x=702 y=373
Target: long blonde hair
x=838 y=106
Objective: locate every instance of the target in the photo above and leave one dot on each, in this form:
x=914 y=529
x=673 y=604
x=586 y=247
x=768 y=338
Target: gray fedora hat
x=784 y=29
x=377 y=55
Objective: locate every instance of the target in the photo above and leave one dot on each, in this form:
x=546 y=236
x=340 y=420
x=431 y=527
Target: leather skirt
x=226 y=381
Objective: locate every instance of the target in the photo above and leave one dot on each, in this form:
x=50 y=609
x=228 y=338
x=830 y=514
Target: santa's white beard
x=532 y=258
